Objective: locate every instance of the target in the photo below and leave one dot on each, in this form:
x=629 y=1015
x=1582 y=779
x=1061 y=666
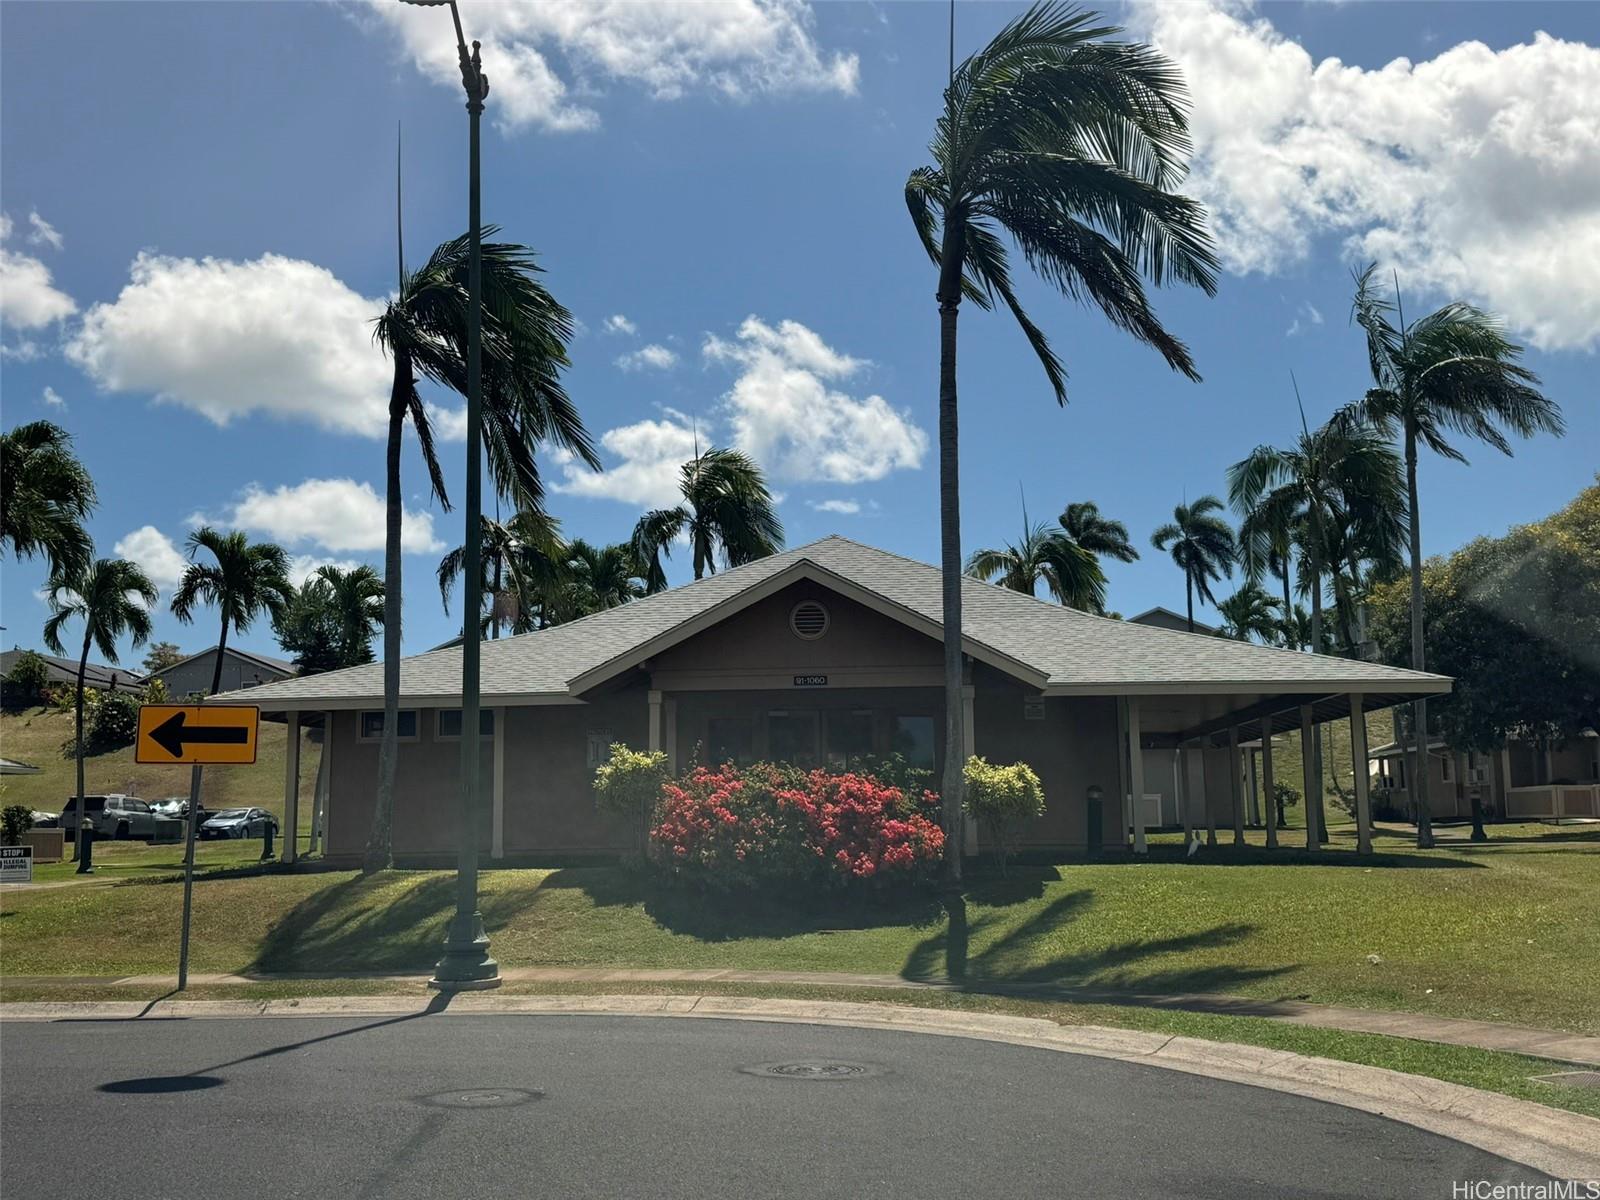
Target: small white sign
x=16 y=864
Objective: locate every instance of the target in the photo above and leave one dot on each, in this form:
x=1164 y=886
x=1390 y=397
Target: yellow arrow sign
x=197 y=733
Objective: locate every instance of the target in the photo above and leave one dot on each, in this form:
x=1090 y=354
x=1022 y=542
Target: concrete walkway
x=1455 y=1031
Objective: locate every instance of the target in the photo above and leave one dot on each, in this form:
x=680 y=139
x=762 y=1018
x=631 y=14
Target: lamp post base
x=466 y=965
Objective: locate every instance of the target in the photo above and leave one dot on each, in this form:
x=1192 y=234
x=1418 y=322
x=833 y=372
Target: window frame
x=361 y=724
x=485 y=712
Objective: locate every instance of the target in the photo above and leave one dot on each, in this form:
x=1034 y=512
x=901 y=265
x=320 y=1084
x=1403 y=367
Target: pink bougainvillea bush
x=730 y=827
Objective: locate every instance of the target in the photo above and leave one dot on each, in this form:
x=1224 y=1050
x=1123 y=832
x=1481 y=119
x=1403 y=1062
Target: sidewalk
x=1484 y=1035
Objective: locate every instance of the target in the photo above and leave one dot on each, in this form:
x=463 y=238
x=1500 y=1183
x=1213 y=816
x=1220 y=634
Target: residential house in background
x=1525 y=781
x=1165 y=618
x=96 y=676
x=241 y=669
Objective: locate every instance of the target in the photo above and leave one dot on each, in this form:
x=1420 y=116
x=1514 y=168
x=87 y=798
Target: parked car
x=114 y=816
x=240 y=823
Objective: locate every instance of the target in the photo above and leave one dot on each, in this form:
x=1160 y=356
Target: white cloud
x=1306 y=317
x=339 y=515
x=651 y=453
x=22 y=351
x=449 y=424
x=43 y=233
x=153 y=550
x=654 y=356
x=302 y=565
x=784 y=414
x=734 y=48
x=617 y=323
x=1475 y=174
x=847 y=507
x=53 y=398
x=227 y=339
x=29 y=298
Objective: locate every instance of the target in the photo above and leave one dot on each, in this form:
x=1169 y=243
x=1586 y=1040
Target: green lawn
x=1509 y=931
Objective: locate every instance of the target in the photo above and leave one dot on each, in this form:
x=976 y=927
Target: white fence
x=1553 y=801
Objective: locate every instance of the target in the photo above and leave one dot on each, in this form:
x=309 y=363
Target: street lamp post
x=466 y=963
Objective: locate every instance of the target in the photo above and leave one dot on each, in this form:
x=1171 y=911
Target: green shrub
x=27 y=680
x=110 y=722
x=629 y=785
x=1002 y=799
x=15 y=820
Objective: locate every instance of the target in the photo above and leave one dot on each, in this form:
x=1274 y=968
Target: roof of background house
x=65 y=670
x=1144 y=618
x=1057 y=649
x=276 y=665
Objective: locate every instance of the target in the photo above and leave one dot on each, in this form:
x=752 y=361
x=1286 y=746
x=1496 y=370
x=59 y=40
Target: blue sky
x=200 y=220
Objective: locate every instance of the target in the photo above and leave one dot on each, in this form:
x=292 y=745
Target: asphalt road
x=555 y=1106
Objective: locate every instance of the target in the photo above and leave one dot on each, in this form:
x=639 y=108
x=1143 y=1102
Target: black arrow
x=172 y=736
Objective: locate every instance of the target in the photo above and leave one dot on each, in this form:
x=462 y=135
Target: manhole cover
x=821 y=1069
x=482 y=1098
x=1583 y=1079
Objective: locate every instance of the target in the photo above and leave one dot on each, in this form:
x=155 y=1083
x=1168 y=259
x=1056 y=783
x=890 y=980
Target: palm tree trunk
x=494 y=600
x=82 y=833
x=952 y=259
x=379 y=855
x=1419 y=707
x=1316 y=815
x=1188 y=595
x=1289 y=637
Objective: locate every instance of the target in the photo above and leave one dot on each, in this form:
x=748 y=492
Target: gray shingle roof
x=1070 y=650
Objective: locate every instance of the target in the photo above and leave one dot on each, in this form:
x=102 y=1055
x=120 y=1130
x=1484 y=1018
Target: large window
x=730 y=739
x=792 y=737
x=450 y=723
x=849 y=735
x=371 y=726
x=913 y=740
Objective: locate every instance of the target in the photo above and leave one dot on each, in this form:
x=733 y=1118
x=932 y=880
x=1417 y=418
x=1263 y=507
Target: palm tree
x=1202 y=546
x=1082 y=523
x=113 y=598
x=1250 y=612
x=424 y=330
x=45 y=496
x=1045 y=554
x=246 y=580
x=355 y=599
x=1072 y=144
x=602 y=576
x=1452 y=371
x=726 y=506
x=524 y=570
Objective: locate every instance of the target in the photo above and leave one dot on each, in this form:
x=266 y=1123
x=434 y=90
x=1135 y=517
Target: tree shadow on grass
x=341 y=929
x=732 y=916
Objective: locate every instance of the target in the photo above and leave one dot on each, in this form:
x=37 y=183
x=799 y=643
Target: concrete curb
x=1563 y=1145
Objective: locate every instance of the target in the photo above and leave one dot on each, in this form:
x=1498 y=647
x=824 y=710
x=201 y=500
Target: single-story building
x=1524 y=780
x=813 y=656
x=240 y=669
x=96 y=676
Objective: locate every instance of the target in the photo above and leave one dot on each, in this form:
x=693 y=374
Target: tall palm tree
x=246 y=580
x=1452 y=371
x=1201 y=544
x=113 y=598
x=1266 y=547
x=1082 y=523
x=602 y=576
x=45 y=496
x=424 y=330
x=1073 y=145
x=1250 y=612
x=1045 y=555
x=726 y=507
x=524 y=569
x=355 y=599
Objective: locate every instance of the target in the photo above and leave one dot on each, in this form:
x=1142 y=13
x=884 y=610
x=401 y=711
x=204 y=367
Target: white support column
x=1136 y=775
x=1308 y=775
x=1251 y=786
x=969 y=747
x=1235 y=786
x=291 y=789
x=497 y=836
x=655 y=720
x=1205 y=790
x=669 y=730
x=319 y=803
x=1358 y=761
x=1268 y=788
x=1182 y=770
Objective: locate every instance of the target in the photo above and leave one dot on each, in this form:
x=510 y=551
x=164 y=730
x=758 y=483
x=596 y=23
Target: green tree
x=1072 y=144
x=424 y=330
x=1045 y=555
x=1515 y=622
x=602 y=577
x=1202 y=546
x=1250 y=613
x=45 y=496
x=726 y=507
x=523 y=561
x=331 y=619
x=112 y=598
x=160 y=656
x=1082 y=523
x=1453 y=371
x=27 y=680
x=243 y=581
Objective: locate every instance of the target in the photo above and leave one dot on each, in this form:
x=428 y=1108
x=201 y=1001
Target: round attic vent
x=808 y=620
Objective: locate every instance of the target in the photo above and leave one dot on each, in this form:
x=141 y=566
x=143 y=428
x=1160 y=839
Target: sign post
x=197 y=734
